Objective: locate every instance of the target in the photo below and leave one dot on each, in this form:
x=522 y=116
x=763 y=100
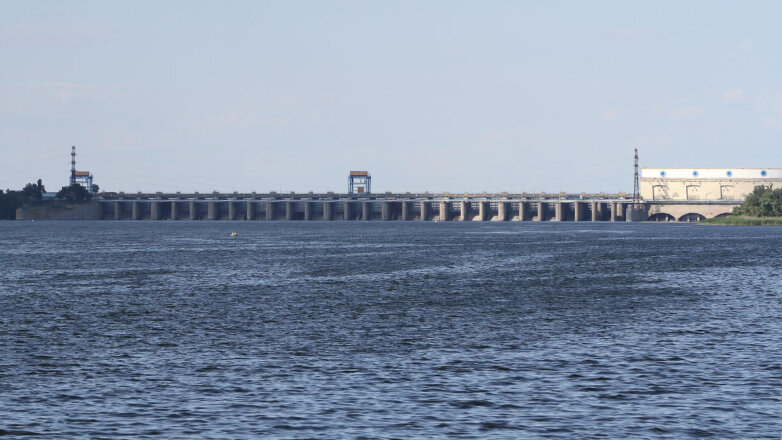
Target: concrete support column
x=231 y=210
x=250 y=210
x=613 y=211
x=174 y=210
x=289 y=210
x=558 y=208
x=386 y=210
x=578 y=211
x=523 y=211
x=346 y=211
x=541 y=211
x=424 y=210
x=628 y=212
x=117 y=211
x=270 y=210
x=193 y=210
x=365 y=211
x=211 y=212
x=308 y=210
x=405 y=210
x=445 y=209
x=135 y=210
x=327 y=210
x=601 y=211
x=635 y=212
x=502 y=211
x=462 y=210
x=154 y=210
x=594 y=211
x=483 y=211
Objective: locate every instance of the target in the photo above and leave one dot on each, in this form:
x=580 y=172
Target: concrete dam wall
x=93 y=210
x=358 y=209
x=389 y=207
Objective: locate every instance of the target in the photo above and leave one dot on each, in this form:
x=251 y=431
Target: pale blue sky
x=439 y=96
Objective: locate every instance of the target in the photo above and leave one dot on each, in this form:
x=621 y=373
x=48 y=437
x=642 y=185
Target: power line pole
x=636 y=188
x=73 y=165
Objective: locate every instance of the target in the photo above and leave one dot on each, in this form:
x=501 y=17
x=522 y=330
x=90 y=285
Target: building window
x=695 y=173
x=729 y=173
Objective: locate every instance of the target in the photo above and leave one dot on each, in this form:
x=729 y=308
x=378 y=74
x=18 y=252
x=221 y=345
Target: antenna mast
x=636 y=191
x=73 y=165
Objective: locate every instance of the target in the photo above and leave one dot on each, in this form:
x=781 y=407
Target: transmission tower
x=636 y=189
x=83 y=178
x=73 y=165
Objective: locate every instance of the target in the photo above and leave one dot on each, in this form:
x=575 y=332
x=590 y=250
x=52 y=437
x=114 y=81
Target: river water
x=389 y=330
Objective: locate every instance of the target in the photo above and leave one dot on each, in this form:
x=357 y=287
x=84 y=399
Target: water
x=389 y=330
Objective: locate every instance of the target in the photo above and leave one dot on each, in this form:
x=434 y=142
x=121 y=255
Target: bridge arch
x=691 y=217
x=662 y=217
x=724 y=214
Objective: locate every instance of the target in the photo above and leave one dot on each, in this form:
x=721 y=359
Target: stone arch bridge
x=687 y=210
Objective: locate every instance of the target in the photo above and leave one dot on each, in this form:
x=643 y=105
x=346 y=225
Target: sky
x=458 y=96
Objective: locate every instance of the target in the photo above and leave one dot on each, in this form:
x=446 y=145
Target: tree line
x=762 y=202
x=32 y=194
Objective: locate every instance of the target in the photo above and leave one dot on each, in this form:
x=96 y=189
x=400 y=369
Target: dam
x=385 y=207
x=388 y=208
x=660 y=194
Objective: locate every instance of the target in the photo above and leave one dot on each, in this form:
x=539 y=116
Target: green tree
x=74 y=193
x=9 y=201
x=762 y=202
x=33 y=192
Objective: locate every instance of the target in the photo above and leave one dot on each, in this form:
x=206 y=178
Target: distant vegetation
x=763 y=202
x=75 y=193
x=743 y=220
x=32 y=194
x=762 y=207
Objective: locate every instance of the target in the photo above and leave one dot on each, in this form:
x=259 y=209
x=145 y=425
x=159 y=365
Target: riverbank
x=61 y=210
x=737 y=220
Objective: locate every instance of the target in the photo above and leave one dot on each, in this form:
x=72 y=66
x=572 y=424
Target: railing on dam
x=374 y=196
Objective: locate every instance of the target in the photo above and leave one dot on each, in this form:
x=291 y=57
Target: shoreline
x=743 y=221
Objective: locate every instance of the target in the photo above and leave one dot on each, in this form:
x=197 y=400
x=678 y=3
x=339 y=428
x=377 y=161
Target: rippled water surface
x=389 y=330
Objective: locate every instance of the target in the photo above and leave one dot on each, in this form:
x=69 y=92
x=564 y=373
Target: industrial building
x=705 y=184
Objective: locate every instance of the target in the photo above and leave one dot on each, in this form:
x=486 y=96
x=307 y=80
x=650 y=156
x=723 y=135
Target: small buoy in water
x=234 y=234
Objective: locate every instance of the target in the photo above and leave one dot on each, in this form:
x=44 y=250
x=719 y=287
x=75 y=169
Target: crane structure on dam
x=359 y=182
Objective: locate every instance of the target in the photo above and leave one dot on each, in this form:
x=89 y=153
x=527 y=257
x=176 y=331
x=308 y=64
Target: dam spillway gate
x=387 y=209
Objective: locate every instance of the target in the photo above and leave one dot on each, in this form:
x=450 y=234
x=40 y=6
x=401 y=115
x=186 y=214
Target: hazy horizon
x=440 y=96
